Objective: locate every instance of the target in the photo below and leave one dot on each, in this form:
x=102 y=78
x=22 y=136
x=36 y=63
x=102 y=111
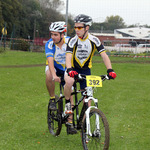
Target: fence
x=38 y=45
x=129 y=49
x=127 y=46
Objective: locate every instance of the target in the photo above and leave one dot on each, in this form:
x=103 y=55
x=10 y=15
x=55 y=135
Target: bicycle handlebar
x=82 y=77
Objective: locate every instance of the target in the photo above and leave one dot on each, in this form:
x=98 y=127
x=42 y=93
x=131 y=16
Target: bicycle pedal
x=68 y=112
x=87 y=140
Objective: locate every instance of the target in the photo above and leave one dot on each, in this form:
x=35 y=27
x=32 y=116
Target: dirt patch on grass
x=130 y=61
x=39 y=65
x=22 y=66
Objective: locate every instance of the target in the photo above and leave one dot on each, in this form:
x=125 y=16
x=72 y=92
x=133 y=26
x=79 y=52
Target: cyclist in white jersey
x=79 y=53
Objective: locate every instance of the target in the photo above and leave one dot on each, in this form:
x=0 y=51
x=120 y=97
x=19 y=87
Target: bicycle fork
x=87 y=113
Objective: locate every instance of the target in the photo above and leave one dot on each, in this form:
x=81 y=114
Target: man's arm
x=106 y=60
x=110 y=71
x=51 y=66
x=68 y=60
x=52 y=69
x=70 y=71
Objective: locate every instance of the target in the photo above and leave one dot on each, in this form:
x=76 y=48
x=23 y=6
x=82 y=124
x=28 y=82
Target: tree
x=24 y=17
x=110 y=23
x=114 y=22
x=52 y=4
x=98 y=27
x=10 y=13
x=1 y=17
x=70 y=26
x=50 y=14
x=32 y=15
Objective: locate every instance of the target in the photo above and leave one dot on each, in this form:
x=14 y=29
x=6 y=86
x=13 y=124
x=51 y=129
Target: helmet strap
x=84 y=32
x=60 y=39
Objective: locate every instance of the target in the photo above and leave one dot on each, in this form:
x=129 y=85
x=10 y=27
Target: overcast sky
x=132 y=11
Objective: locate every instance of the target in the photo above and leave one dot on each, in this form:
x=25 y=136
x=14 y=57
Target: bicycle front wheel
x=99 y=138
x=54 y=118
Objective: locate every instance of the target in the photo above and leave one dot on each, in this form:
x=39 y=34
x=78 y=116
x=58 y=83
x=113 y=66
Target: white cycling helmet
x=87 y=20
x=58 y=27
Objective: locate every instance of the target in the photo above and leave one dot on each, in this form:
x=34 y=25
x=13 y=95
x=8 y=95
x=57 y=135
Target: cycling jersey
x=59 y=55
x=83 y=50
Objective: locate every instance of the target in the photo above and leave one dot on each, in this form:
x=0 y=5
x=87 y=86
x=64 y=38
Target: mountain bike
x=91 y=122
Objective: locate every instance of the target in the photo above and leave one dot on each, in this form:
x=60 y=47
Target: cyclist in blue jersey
x=79 y=53
x=55 y=50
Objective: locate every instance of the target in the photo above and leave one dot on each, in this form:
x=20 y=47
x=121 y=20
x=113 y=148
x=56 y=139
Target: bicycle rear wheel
x=100 y=137
x=54 y=118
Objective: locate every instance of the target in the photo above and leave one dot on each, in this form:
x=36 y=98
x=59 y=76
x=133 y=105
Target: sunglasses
x=79 y=28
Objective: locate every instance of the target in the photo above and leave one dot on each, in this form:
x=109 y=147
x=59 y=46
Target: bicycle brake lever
x=79 y=76
x=107 y=77
x=104 y=77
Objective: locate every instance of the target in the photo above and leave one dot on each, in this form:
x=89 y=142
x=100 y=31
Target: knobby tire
x=54 y=118
x=98 y=142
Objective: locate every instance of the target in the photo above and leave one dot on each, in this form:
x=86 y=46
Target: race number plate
x=93 y=81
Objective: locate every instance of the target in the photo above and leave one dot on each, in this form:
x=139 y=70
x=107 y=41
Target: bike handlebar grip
x=79 y=76
x=104 y=77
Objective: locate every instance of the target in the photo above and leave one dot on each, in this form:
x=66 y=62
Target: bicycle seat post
x=76 y=99
x=60 y=86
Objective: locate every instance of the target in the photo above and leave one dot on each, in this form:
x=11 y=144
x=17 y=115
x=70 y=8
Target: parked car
x=123 y=45
x=143 y=45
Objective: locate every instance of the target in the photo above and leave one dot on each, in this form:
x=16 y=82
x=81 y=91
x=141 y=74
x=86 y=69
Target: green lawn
x=24 y=98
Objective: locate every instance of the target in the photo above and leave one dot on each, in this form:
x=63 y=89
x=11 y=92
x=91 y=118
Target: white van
x=143 y=46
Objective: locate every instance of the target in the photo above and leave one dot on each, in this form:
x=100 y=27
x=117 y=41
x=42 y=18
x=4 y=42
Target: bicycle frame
x=91 y=121
x=75 y=107
x=86 y=96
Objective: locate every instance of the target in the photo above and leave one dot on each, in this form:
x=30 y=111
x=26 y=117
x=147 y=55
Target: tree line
x=24 y=18
x=29 y=18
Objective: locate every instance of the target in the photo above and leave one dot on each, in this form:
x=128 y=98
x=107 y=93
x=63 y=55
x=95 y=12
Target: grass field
x=24 y=98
